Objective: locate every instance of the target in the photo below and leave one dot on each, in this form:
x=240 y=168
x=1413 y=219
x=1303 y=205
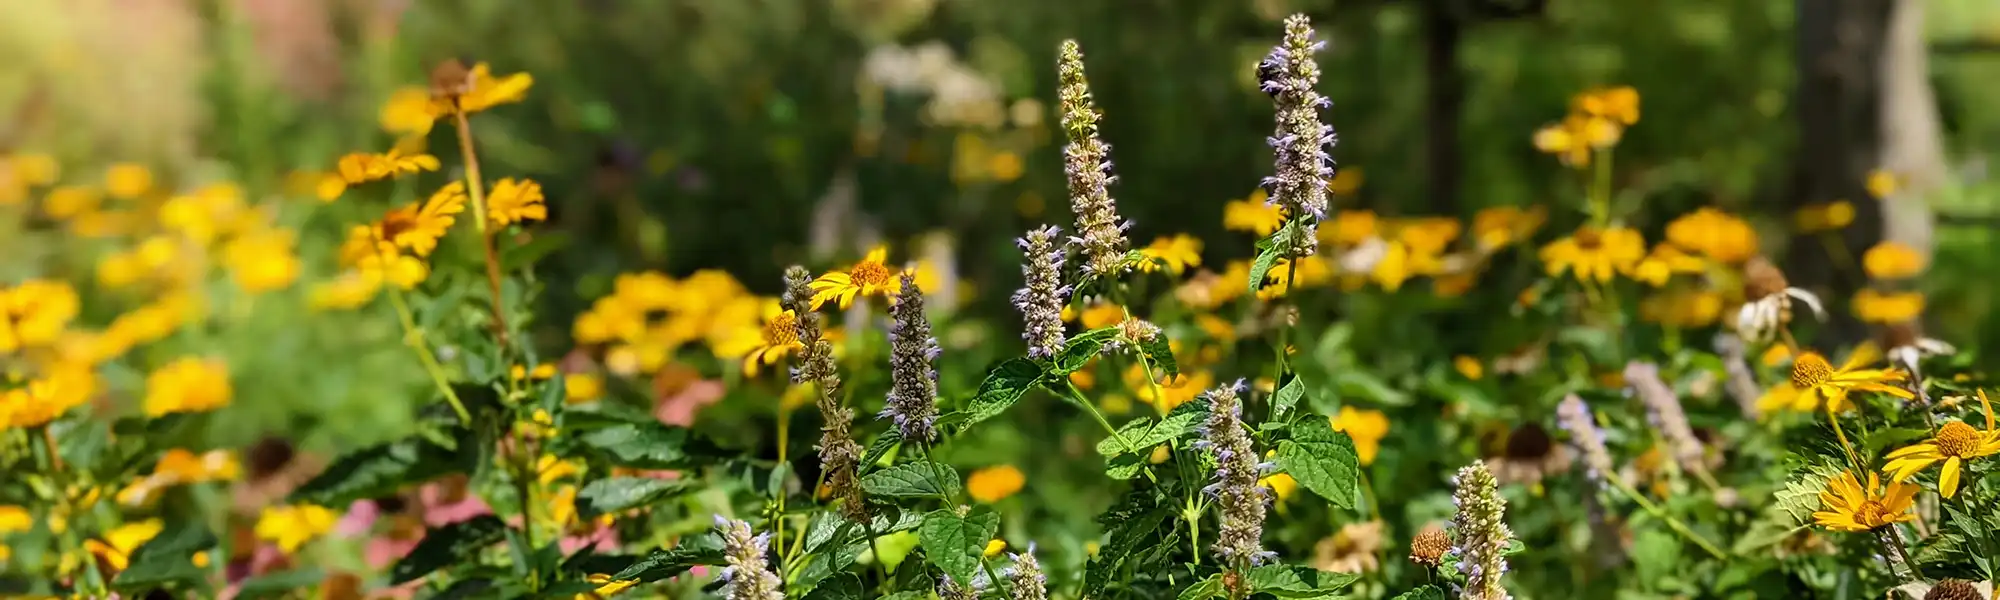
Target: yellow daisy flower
x=1593 y=254
x=1814 y=379
x=292 y=526
x=1887 y=307
x=1720 y=236
x=418 y=227
x=1175 y=254
x=765 y=345
x=870 y=277
x=187 y=385
x=1892 y=260
x=1824 y=217
x=1847 y=506
x=1366 y=428
x=363 y=167
x=1955 y=443
x=1253 y=214
x=1619 y=104
x=117 y=545
x=995 y=483
x=454 y=89
x=514 y=201
x=1666 y=261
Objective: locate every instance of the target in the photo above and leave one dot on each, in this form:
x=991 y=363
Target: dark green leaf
x=379 y=471
x=619 y=493
x=1267 y=256
x=451 y=544
x=1003 y=387
x=1428 y=592
x=466 y=588
x=1204 y=589
x=1288 y=397
x=911 y=480
x=1162 y=355
x=1130 y=525
x=842 y=587
x=1322 y=460
x=662 y=564
x=1132 y=434
x=276 y=585
x=883 y=444
x=167 y=559
x=955 y=543
x=650 y=445
x=1080 y=349
x=1124 y=466
x=1289 y=581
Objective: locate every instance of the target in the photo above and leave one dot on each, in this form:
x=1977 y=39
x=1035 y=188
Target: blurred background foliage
x=750 y=134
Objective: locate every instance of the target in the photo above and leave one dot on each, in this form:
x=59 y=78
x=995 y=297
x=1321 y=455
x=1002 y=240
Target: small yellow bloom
x=1892 y=260
x=187 y=385
x=32 y=169
x=994 y=547
x=550 y=469
x=362 y=167
x=1100 y=314
x=1469 y=366
x=1954 y=444
x=1346 y=181
x=995 y=483
x=870 y=277
x=126 y=181
x=515 y=201
x=1887 y=308
x=1282 y=485
x=1720 y=236
x=1883 y=184
x=1824 y=217
x=45 y=399
x=1847 y=506
x=262 y=261
x=418 y=228
x=1173 y=390
x=542 y=371
x=1496 y=227
x=1683 y=308
x=1620 y=104
x=1814 y=381
x=1366 y=427
x=116 y=547
x=1349 y=228
x=479 y=90
x=1160 y=454
x=1593 y=254
x=1666 y=261
x=1313 y=271
x=291 y=527
x=35 y=313
x=582 y=387
x=1573 y=140
x=759 y=346
x=178 y=467
x=208 y=214
x=1175 y=254
x=1254 y=214
x=70 y=201
x=407 y=112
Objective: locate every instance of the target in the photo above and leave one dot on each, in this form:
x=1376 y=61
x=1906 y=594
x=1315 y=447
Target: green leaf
x=650 y=445
x=1134 y=433
x=544 y=244
x=1204 y=589
x=1428 y=592
x=1289 y=581
x=1800 y=497
x=1287 y=398
x=1322 y=460
x=277 y=585
x=619 y=493
x=454 y=543
x=1124 y=466
x=167 y=559
x=955 y=543
x=1130 y=525
x=661 y=564
x=1161 y=354
x=1003 y=386
x=881 y=447
x=379 y=471
x=844 y=587
x=1267 y=256
x=912 y=480
x=1180 y=421
x=1080 y=349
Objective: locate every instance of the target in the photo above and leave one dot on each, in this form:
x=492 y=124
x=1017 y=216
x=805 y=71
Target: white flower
x=1760 y=319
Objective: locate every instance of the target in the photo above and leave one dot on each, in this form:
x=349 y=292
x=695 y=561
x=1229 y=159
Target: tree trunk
x=1444 y=102
x=1912 y=136
x=1838 y=105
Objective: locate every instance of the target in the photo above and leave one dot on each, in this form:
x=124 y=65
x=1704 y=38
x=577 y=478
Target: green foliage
x=1322 y=460
x=954 y=542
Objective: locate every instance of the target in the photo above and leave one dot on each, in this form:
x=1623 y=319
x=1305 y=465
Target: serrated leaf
x=1800 y=497
x=1267 y=256
x=1078 y=350
x=650 y=445
x=912 y=480
x=1203 y=590
x=620 y=493
x=1289 y=581
x=450 y=544
x=1322 y=460
x=1287 y=398
x=661 y=564
x=1133 y=433
x=1124 y=466
x=842 y=587
x=881 y=447
x=167 y=559
x=1129 y=525
x=1003 y=387
x=1428 y=592
x=1161 y=353
x=379 y=471
x=955 y=543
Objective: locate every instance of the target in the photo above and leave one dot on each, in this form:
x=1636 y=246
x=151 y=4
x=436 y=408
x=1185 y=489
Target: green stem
x=415 y=338
x=1076 y=395
x=1672 y=523
x=1600 y=192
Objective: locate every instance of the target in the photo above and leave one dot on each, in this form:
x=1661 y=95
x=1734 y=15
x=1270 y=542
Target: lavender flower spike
x=1481 y=530
x=748 y=574
x=913 y=377
x=1087 y=160
x=1300 y=142
x=1665 y=409
x=1029 y=583
x=1240 y=541
x=839 y=455
x=1575 y=417
x=1041 y=299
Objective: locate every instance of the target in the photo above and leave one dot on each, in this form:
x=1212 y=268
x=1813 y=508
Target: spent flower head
x=1087 y=160
x=839 y=454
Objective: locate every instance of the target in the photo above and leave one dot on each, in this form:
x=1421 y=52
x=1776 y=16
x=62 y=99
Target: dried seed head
x=1430 y=545
x=1762 y=279
x=450 y=79
x=1900 y=335
x=1955 y=589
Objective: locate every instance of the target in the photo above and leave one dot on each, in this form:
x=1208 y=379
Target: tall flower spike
x=1041 y=299
x=1742 y=381
x=1481 y=528
x=1087 y=160
x=912 y=374
x=1665 y=409
x=1237 y=469
x=1574 y=416
x=1302 y=166
x=1026 y=577
x=839 y=455
x=748 y=574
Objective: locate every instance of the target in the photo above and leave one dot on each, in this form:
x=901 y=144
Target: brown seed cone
x=1429 y=546
x=1954 y=589
x=1762 y=279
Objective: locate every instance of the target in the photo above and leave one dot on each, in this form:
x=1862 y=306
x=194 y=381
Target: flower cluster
x=1087 y=159
x=913 y=377
x=1237 y=469
x=1303 y=167
x=1041 y=298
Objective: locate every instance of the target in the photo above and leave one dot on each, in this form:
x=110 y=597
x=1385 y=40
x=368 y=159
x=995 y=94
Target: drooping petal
x=1948 y=478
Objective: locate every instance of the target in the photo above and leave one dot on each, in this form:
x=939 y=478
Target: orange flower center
x=869 y=273
x=1871 y=514
x=781 y=330
x=1589 y=238
x=1957 y=440
x=1809 y=370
